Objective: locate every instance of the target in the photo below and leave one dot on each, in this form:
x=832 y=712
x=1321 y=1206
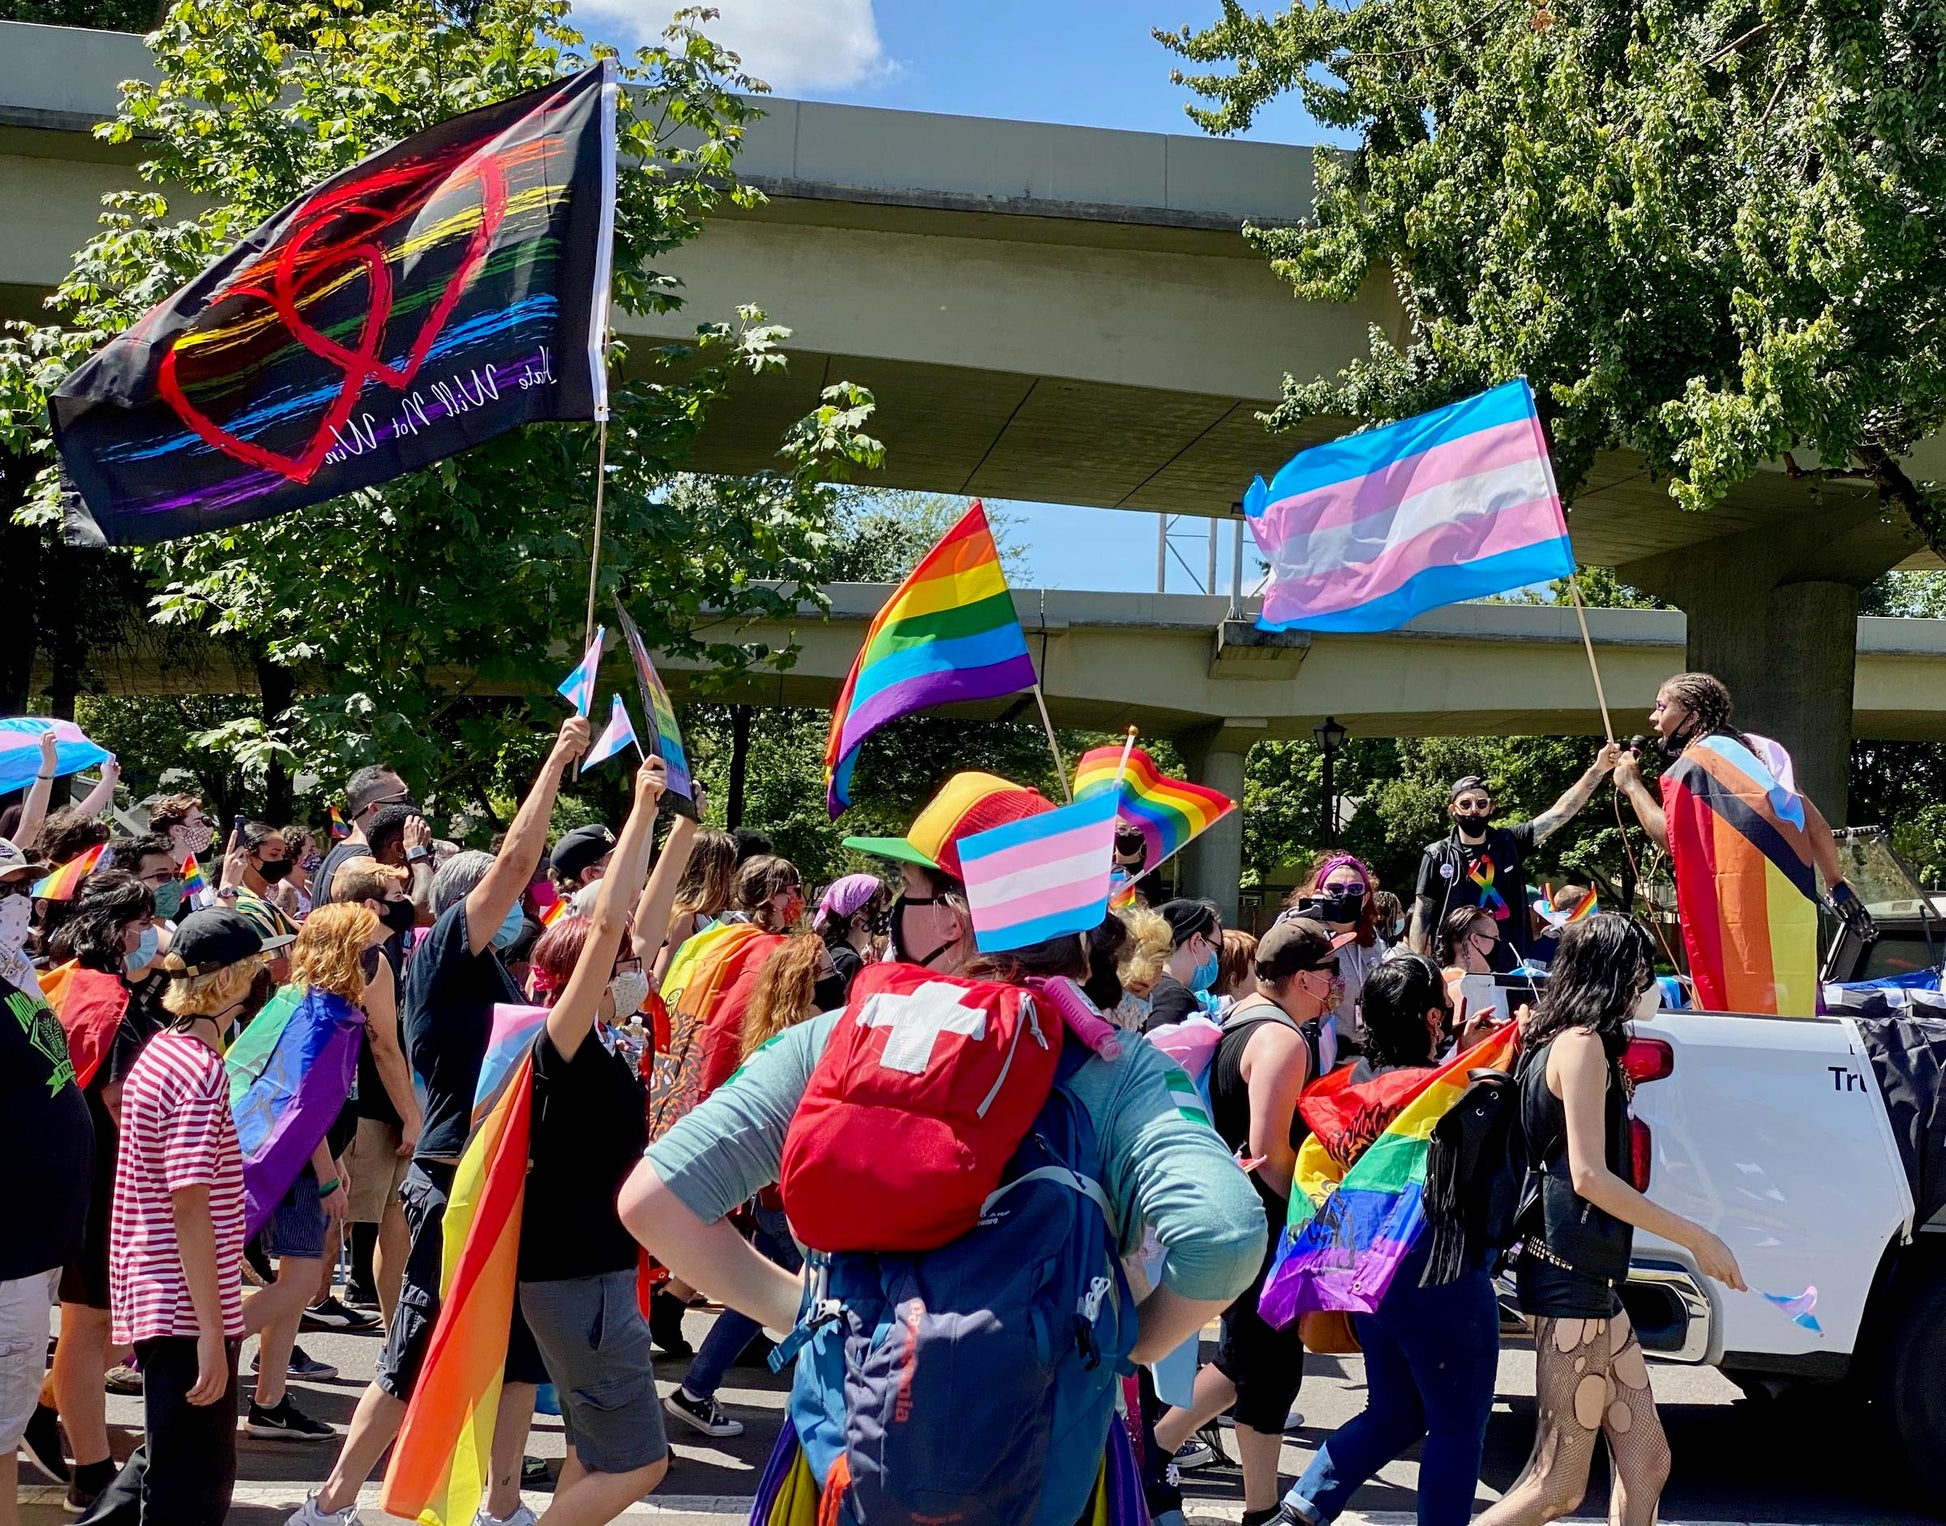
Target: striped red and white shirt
x=176 y=1132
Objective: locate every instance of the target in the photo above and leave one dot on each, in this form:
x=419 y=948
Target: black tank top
x=1544 y=1119
x=1229 y=1094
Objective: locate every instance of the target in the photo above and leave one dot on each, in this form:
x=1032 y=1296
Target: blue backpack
x=974 y=1383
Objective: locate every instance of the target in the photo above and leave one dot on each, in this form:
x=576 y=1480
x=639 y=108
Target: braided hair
x=1706 y=698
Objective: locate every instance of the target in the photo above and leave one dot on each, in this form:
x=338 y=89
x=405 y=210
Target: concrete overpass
x=1070 y=315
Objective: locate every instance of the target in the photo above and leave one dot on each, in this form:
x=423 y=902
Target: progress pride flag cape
x=422 y=301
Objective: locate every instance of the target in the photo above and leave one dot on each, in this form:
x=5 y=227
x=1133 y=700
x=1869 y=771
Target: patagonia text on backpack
x=972 y=1380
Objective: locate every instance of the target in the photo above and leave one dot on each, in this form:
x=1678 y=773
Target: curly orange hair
x=330 y=949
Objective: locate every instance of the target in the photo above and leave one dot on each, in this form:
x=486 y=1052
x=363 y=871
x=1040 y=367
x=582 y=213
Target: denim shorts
x=595 y=1343
x=297 y=1224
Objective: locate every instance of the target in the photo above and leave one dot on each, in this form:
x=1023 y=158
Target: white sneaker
x=522 y=1516
x=308 y=1514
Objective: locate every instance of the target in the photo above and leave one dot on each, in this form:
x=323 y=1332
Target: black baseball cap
x=578 y=849
x=208 y=941
x=1470 y=782
x=1187 y=918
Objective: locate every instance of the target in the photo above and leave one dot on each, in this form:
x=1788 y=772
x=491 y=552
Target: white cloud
x=789 y=44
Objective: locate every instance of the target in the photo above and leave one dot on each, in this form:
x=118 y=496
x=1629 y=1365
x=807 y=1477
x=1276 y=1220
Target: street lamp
x=1331 y=737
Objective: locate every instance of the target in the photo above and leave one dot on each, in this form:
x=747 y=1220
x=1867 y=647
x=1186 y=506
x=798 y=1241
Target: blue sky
x=1088 y=62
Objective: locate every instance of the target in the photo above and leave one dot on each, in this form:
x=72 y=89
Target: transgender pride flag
x=1368 y=531
x=1041 y=877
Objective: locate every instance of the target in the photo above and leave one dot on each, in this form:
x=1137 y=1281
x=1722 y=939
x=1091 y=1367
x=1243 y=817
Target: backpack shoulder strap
x=1260 y=1010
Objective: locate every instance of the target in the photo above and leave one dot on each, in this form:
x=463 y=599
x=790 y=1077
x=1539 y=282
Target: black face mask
x=1672 y=746
x=274 y=869
x=1468 y=822
x=399 y=916
x=902 y=948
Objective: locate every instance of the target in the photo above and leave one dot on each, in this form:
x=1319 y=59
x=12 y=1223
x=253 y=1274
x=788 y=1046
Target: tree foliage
x=415 y=618
x=1711 y=231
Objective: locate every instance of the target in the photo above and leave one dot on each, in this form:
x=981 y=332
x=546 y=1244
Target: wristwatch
x=417 y=855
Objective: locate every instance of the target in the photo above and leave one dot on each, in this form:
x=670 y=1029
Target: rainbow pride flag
x=1170 y=813
x=65 y=882
x=289 y=1072
x=339 y=830
x=667 y=731
x=193 y=883
x=1350 y=1226
x=443 y=1457
x=948 y=633
x=1365 y=532
x=1740 y=847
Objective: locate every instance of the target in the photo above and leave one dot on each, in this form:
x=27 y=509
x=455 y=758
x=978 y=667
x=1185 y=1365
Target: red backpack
x=925 y=1089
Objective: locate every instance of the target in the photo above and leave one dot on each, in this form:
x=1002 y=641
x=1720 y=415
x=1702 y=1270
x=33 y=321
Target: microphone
x=1638 y=743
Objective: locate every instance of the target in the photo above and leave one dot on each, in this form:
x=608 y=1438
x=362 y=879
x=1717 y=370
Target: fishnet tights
x=1590 y=1380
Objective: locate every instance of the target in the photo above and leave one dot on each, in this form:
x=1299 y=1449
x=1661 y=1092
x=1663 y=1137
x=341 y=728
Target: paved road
x=1739 y=1461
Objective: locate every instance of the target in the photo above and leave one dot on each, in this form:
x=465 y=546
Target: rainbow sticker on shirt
x=1490 y=898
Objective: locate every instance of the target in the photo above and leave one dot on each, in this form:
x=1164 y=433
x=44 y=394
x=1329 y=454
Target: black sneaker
x=88 y=1482
x=42 y=1439
x=665 y=1324
x=284 y=1423
x=704 y=1415
x=329 y=1314
x=302 y=1365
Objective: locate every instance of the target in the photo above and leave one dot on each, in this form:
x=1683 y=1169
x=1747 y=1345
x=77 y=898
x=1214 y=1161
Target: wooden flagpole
x=1060 y=763
x=594 y=560
x=1581 y=617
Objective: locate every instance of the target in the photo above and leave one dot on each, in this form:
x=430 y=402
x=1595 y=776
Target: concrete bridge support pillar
x=1213 y=864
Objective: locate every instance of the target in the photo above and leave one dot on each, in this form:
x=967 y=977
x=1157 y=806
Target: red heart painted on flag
x=352 y=214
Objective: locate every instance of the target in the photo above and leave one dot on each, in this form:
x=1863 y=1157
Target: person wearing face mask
x=1478 y=864
x=452 y=982
x=1388 y=915
x=180 y=819
x=847 y=915
x=1431 y=1353
x=769 y=893
x=256 y=859
x=388 y=1117
x=108 y=934
x=369 y=791
x=1341 y=895
x=48 y=1144
x=1266 y=1057
x=1733 y=821
x=930 y=924
x=577 y=1263
x=1195 y=960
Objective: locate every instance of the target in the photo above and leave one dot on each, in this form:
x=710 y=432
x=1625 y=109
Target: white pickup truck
x=1776 y=1133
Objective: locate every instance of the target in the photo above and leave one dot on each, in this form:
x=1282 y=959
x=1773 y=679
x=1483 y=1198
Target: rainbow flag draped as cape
x=1349 y=1229
x=948 y=633
x=1745 y=885
x=290 y=1072
x=90 y=1005
x=704 y=969
x=443 y=1457
x=1169 y=812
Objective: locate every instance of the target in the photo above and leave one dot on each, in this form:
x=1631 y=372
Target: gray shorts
x=595 y=1344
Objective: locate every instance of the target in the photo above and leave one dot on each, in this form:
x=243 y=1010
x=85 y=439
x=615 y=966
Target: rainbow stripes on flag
x=666 y=736
x=948 y=633
x=1349 y=1229
x=1170 y=813
x=193 y=883
x=1041 y=876
x=1368 y=531
x=578 y=688
x=1740 y=848
x=65 y=882
x=442 y=1459
x=339 y=829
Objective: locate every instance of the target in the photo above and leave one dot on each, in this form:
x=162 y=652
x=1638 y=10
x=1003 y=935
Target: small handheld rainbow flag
x=65 y=882
x=339 y=829
x=193 y=883
x=948 y=633
x=666 y=737
x=1041 y=876
x=578 y=688
x=1169 y=812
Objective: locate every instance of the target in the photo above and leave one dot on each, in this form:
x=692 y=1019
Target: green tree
x=102 y=15
x=1711 y=231
x=884 y=532
x=409 y=621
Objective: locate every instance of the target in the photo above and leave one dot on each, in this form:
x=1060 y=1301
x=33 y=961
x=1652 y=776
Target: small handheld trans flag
x=578 y=688
x=665 y=734
x=620 y=733
x=1042 y=876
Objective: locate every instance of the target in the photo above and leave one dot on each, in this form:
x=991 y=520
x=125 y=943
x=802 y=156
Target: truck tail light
x=1641 y=1154
x=1648 y=1060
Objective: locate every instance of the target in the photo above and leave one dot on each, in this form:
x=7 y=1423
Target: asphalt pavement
x=1795 y=1461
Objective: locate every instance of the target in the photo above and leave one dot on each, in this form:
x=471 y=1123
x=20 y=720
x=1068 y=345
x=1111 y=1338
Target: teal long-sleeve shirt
x=1162 y=1165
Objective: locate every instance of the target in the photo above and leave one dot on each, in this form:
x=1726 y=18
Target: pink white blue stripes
x=1366 y=532
x=620 y=733
x=1041 y=877
x=578 y=688
x=20 y=750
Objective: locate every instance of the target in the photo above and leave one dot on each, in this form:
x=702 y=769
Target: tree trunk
x=739 y=762
x=278 y=686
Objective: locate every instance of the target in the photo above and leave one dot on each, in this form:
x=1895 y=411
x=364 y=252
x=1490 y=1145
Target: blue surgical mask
x=142 y=955
x=1204 y=975
x=510 y=927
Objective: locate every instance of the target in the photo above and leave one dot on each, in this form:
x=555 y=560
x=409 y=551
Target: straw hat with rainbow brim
x=966 y=803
